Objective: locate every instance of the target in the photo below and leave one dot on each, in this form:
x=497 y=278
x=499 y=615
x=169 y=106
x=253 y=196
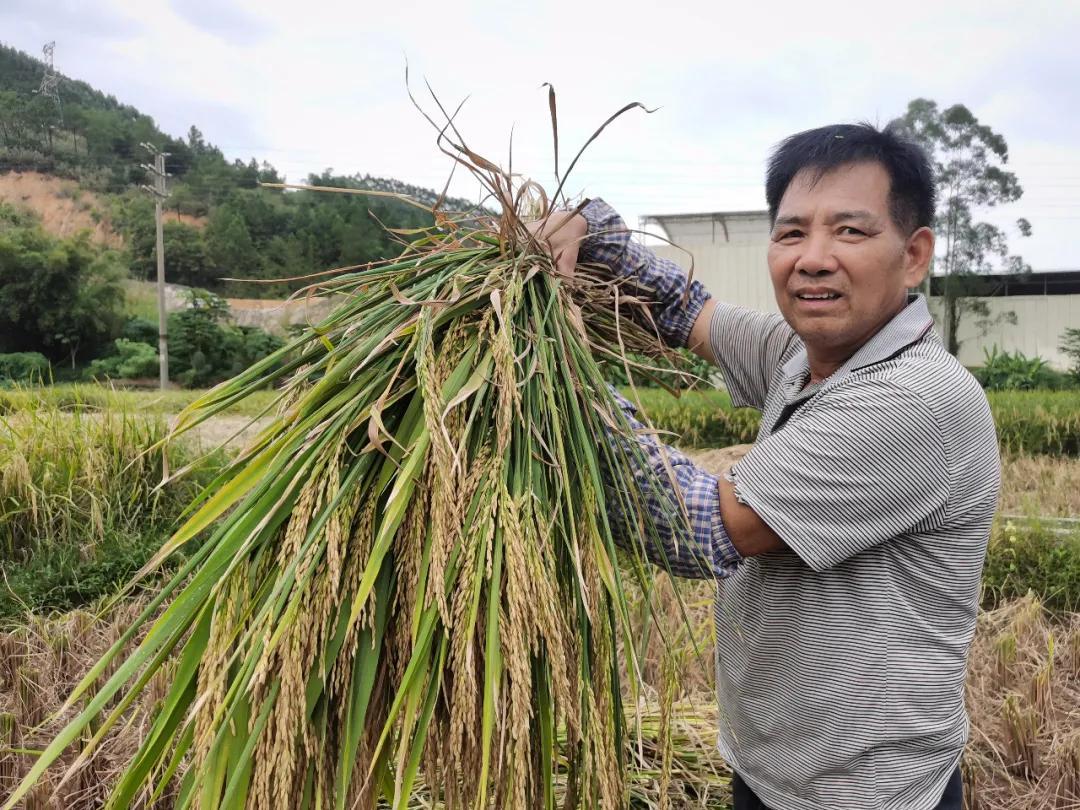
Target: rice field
x=1023 y=689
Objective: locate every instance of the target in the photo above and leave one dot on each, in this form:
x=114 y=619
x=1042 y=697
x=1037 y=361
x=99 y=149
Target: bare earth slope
x=63 y=207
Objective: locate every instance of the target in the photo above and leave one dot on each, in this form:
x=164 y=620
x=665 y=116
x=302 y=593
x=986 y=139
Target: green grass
x=1046 y=422
x=1035 y=422
x=140 y=300
x=96 y=397
x=81 y=508
x=698 y=418
x=1028 y=556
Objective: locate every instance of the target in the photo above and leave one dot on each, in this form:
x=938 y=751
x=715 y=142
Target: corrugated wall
x=1040 y=322
x=737 y=272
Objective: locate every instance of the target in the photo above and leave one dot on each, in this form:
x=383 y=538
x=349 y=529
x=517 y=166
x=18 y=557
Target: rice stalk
x=1021 y=733
x=408 y=576
x=1067 y=791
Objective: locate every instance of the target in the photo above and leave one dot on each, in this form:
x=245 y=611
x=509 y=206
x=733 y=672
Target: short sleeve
x=749 y=346
x=864 y=465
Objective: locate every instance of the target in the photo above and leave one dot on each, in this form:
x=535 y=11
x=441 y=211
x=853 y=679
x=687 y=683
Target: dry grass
x=40 y=663
x=1040 y=485
x=1023 y=697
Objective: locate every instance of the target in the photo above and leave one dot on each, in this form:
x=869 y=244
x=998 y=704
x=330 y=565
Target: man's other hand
x=561 y=234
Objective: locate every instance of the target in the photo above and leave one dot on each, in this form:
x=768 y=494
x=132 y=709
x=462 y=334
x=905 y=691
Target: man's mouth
x=817 y=296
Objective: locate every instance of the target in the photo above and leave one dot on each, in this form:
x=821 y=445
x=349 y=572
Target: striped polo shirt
x=841 y=662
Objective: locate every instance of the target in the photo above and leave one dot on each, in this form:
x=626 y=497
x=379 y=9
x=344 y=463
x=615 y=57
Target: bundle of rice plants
x=411 y=570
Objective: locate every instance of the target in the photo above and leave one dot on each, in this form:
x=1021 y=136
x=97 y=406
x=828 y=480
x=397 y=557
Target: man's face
x=840 y=265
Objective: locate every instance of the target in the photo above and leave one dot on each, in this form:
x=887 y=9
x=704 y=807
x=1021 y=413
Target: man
x=848 y=543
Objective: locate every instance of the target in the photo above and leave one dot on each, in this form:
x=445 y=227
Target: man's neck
x=827 y=360
x=823 y=368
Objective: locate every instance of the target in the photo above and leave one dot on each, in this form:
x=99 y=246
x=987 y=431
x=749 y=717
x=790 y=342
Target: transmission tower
x=50 y=80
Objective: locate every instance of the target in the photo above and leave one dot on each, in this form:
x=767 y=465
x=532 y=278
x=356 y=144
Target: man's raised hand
x=561 y=234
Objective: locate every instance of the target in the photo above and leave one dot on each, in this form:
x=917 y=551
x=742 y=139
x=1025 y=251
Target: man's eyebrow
x=840 y=216
x=791 y=219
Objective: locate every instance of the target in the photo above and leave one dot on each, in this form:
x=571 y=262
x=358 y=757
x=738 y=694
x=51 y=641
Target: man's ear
x=918 y=253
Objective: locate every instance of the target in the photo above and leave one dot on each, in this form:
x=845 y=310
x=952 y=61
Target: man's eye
x=793 y=234
x=848 y=230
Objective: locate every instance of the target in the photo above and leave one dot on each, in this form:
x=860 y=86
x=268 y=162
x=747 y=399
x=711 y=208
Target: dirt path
x=232 y=431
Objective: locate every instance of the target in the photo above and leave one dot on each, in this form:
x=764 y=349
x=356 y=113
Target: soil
x=64 y=208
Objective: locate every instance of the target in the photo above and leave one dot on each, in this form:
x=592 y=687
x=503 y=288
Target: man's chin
x=819 y=323
x=823 y=333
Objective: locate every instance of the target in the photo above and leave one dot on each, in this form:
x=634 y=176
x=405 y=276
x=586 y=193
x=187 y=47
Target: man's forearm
x=749 y=534
x=685 y=532
x=676 y=301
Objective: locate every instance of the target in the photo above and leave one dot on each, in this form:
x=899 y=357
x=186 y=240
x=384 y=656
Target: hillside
x=77 y=166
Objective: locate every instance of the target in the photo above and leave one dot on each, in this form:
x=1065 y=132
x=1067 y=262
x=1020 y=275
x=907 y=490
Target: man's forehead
x=861 y=188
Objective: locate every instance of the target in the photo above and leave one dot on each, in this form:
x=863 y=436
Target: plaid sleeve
x=691 y=543
x=677 y=301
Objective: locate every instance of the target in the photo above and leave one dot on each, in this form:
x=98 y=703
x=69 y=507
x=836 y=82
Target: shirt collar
x=908 y=326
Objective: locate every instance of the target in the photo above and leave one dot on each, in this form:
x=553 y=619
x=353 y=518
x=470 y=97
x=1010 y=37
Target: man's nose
x=817 y=257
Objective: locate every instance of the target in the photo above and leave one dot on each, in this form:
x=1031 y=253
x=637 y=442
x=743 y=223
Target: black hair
x=911 y=187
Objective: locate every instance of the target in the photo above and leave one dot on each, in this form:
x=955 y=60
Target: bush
x=1006 y=371
x=131 y=360
x=204 y=351
x=1032 y=557
x=141 y=330
x=24 y=367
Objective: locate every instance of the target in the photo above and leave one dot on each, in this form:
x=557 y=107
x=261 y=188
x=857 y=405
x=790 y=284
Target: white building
x=728 y=254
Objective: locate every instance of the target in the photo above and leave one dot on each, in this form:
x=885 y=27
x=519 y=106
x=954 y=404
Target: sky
x=315 y=84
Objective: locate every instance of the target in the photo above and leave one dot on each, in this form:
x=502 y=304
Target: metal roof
x=1050 y=282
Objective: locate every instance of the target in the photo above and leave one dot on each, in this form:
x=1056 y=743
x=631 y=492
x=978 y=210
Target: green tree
x=196 y=338
x=1070 y=346
x=229 y=246
x=13 y=120
x=969 y=159
x=185 y=255
x=62 y=298
x=204 y=350
x=186 y=260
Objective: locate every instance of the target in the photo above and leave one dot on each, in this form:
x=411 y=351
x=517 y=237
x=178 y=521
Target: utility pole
x=157 y=171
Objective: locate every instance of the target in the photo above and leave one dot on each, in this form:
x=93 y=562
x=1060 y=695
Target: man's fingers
x=565 y=261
